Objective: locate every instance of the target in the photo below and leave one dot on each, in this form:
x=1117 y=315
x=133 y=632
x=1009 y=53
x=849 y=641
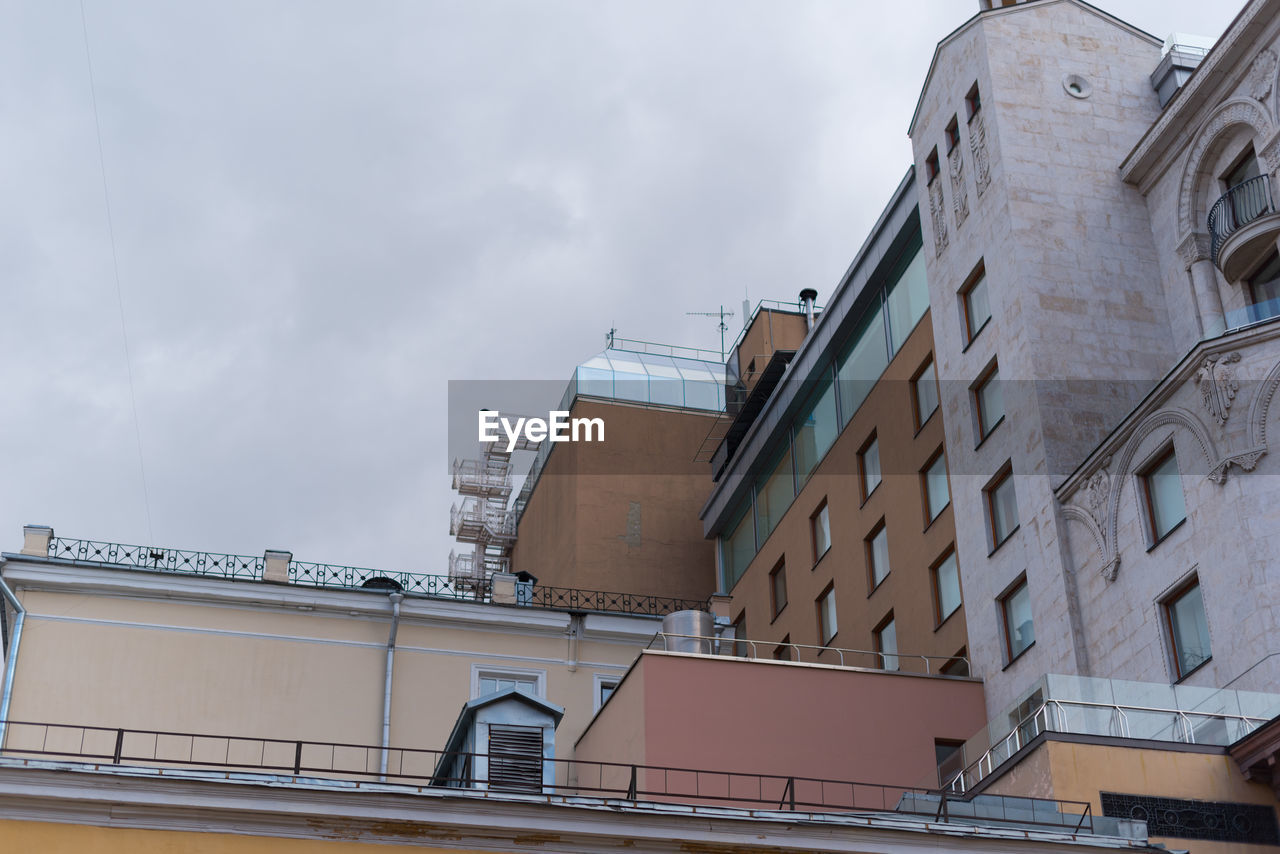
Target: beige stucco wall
x=267 y=671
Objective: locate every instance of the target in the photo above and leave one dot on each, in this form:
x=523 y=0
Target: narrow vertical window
x=988 y=400
x=869 y=466
x=937 y=495
x=778 y=587
x=878 y=555
x=820 y=525
x=946 y=587
x=924 y=388
x=740 y=646
x=1188 y=629
x=975 y=304
x=827 y=627
x=953 y=133
x=972 y=102
x=1015 y=608
x=931 y=165
x=1002 y=506
x=1162 y=489
x=886 y=637
x=782 y=652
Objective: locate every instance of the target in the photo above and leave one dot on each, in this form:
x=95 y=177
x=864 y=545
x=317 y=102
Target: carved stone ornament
x=1261 y=76
x=978 y=143
x=959 y=192
x=938 y=216
x=1218 y=385
x=1193 y=248
x=1096 y=491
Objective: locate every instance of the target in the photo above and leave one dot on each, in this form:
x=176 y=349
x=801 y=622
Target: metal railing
x=866 y=658
x=245 y=567
x=633 y=345
x=1238 y=207
x=1162 y=724
x=157 y=559
x=422 y=768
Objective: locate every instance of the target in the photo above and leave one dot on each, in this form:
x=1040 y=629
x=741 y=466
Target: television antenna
x=724 y=327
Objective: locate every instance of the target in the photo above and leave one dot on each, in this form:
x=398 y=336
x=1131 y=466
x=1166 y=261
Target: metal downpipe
x=396 y=598
x=11 y=660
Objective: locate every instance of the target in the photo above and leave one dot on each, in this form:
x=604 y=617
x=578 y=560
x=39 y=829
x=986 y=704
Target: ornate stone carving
x=1194 y=247
x=1218 y=385
x=959 y=192
x=938 y=216
x=1261 y=75
x=1111 y=568
x=978 y=143
x=1232 y=113
x=1096 y=491
x=1270 y=155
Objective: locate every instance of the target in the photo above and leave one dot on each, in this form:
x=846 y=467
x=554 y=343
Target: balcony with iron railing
x=803 y=653
x=1243 y=226
x=1114 y=708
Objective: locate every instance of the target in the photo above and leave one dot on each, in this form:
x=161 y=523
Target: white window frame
x=479 y=671
x=598 y=681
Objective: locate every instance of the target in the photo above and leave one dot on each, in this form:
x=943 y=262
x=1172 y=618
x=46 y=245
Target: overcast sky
x=324 y=211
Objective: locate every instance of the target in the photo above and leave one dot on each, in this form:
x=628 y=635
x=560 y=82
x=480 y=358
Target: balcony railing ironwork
x=1238 y=207
x=807 y=653
x=422 y=769
x=246 y=567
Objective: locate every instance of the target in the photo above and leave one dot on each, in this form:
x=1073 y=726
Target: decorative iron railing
x=357 y=577
x=158 y=559
x=1238 y=207
x=421 y=769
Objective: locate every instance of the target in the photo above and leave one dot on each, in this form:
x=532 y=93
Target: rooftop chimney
x=807 y=297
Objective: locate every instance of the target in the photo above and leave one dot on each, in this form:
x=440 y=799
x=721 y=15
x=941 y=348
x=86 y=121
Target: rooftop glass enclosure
x=639 y=372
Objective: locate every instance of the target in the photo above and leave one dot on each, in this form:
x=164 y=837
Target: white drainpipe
x=11 y=660
x=386 y=691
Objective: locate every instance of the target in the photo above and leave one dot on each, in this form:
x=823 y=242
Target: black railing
x=356 y=577
x=1238 y=207
x=158 y=559
x=422 y=768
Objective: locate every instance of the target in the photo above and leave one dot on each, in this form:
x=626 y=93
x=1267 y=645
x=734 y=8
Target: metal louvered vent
x=515 y=757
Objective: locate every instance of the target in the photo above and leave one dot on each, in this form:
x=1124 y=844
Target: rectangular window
x=862 y=362
x=738 y=546
x=782 y=652
x=778 y=587
x=1188 y=629
x=937 y=494
x=972 y=102
x=827 y=615
x=1264 y=287
x=1162 y=488
x=820 y=525
x=924 y=393
x=1002 y=506
x=886 y=636
x=973 y=299
x=878 y=555
x=1015 y=607
x=950 y=758
x=816 y=428
x=774 y=492
x=931 y=166
x=953 y=133
x=957 y=665
x=605 y=686
x=988 y=401
x=946 y=587
x=487 y=680
x=869 y=466
x=740 y=647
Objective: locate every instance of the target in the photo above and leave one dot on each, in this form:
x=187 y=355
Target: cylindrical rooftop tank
x=689 y=631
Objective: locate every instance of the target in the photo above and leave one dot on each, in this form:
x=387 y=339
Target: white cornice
x=36 y=574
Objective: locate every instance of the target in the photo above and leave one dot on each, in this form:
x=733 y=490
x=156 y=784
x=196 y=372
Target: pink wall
x=794 y=720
